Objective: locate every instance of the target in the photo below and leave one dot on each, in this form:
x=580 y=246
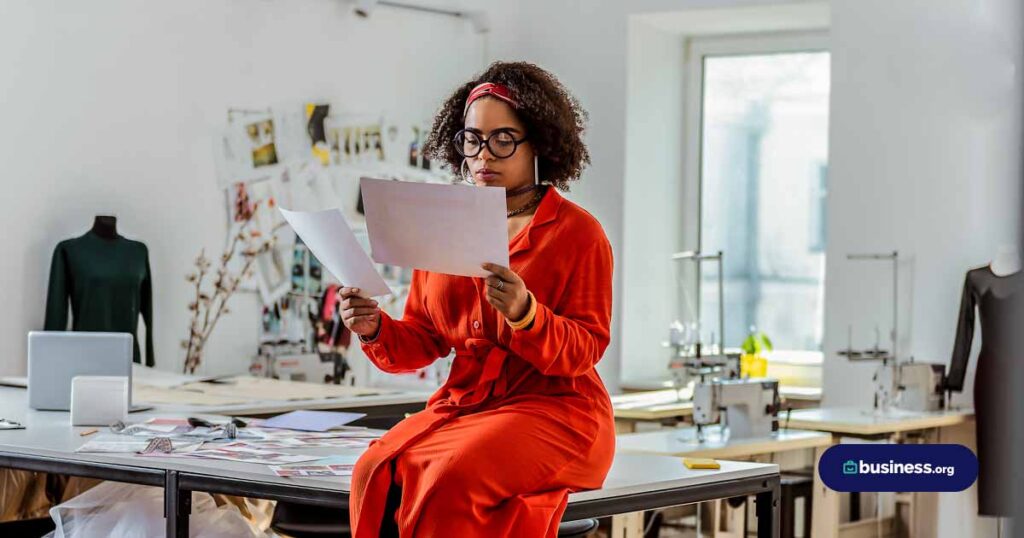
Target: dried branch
x=210 y=306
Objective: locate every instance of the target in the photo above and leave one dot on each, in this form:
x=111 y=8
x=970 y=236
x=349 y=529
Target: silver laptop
x=55 y=358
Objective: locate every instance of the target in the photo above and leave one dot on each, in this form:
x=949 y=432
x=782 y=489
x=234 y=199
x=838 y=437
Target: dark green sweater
x=108 y=284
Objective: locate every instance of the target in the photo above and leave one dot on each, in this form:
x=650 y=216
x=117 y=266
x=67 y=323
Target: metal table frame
x=179 y=485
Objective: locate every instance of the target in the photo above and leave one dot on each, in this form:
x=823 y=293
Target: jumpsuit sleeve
x=964 y=337
x=410 y=343
x=57 y=294
x=569 y=340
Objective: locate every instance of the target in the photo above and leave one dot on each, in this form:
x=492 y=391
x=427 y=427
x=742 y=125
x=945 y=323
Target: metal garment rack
x=894 y=257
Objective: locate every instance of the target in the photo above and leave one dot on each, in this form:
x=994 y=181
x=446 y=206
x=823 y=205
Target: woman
x=523 y=418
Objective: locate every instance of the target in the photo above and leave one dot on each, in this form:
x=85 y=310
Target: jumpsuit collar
x=546 y=213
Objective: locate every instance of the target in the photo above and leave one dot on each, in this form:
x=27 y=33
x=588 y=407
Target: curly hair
x=553 y=117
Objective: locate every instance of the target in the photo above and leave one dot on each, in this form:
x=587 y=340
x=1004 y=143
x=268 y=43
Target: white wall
x=110 y=106
x=925 y=158
x=652 y=197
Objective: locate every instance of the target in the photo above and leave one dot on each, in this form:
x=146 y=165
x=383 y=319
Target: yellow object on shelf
x=701 y=463
x=753 y=365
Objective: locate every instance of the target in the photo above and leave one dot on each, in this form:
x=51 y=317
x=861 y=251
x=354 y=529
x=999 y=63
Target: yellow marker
x=701 y=463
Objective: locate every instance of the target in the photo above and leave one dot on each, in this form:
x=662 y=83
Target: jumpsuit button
x=476 y=324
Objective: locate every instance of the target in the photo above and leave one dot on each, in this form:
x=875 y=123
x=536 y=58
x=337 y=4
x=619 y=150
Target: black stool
x=576 y=529
x=305 y=521
x=794 y=486
x=27 y=527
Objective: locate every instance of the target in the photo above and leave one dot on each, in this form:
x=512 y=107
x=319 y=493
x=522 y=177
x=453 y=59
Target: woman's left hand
x=506 y=292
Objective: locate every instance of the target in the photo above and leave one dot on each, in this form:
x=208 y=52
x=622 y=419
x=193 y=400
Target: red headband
x=489 y=88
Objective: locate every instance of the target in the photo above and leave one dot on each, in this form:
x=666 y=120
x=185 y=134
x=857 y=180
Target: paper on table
x=250 y=455
x=449 y=229
x=311 y=421
x=128 y=444
x=263 y=388
x=330 y=466
x=332 y=242
x=178 y=396
x=144 y=375
x=113 y=443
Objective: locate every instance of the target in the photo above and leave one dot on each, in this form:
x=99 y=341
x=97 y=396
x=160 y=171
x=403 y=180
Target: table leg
x=177 y=506
x=767 y=506
x=628 y=525
x=624 y=426
x=825 y=503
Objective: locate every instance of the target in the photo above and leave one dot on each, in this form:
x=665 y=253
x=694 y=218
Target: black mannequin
x=105 y=227
x=100 y=281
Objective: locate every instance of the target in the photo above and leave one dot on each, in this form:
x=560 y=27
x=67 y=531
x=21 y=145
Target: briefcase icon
x=850 y=467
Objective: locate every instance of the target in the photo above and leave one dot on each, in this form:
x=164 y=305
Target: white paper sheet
x=331 y=240
x=441 y=228
x=250 y=455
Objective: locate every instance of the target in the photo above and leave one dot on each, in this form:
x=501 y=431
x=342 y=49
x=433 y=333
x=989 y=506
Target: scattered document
x=144 y=375
x=250 y=455
x=313 y=470
x=285 y=443
x=449 y=229
x=112 y=443
x=311 y=421
x=332 y=466
x=331 y=240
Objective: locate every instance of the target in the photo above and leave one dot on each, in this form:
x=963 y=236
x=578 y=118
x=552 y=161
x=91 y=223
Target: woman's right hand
x=361 y=316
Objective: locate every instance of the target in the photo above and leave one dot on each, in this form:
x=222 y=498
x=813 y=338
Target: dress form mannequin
x=105 y=226
x=992 y=295
x=1006 y=261
x=100 y=282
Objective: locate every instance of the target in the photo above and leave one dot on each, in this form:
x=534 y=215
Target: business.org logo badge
x=881 y=467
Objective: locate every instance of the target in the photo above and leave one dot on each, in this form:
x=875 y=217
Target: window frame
x=697 y=50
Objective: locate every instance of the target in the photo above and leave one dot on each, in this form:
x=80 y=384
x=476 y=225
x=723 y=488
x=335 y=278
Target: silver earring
x=462 y=172
x=536 y=175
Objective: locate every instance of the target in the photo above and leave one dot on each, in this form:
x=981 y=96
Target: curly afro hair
x=553 y=117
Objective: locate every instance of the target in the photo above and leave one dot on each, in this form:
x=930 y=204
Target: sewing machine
x=751 y=406
x=693 y=359
x=921 y=387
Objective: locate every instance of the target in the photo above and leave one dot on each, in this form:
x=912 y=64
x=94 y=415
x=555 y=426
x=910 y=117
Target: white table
x=635 y=482
x=670 y=406
x=893 y=425
x=867 y=423
x=682 y=442
x=380 y=402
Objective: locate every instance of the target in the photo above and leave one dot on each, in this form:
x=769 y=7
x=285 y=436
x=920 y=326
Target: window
x=819 y=192
x=762 y=147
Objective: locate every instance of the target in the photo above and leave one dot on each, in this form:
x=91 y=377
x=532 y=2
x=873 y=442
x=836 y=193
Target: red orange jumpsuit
x=523 y=418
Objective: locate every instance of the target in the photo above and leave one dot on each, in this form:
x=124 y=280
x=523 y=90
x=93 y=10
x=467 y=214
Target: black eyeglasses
x=501 y=144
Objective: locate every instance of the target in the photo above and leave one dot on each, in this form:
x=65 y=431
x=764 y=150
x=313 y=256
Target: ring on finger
x=501 y=284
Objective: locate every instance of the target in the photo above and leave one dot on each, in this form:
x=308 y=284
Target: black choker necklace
x=520 y=190
x=528 y=206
